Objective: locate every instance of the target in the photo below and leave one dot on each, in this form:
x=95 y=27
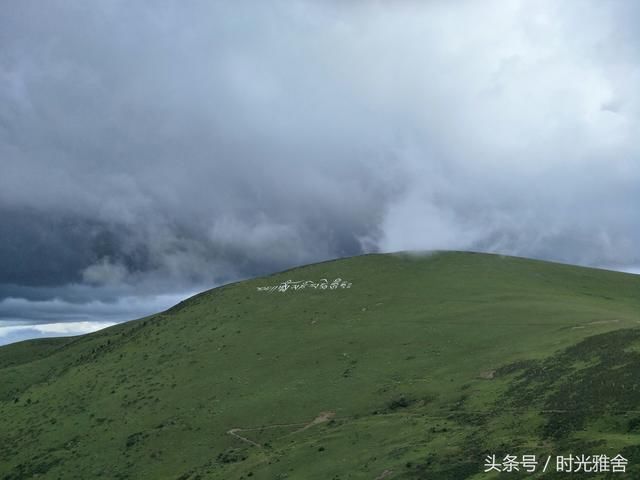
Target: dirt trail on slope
x=384 y=474
x=233 y=433
x=321 y=418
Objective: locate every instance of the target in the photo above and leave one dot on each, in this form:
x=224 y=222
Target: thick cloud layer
x=153 y=148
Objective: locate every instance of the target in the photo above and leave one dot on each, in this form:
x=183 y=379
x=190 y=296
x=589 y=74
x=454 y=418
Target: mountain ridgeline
x=410 y=367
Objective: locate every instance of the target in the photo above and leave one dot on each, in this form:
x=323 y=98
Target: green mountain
x=413 y=367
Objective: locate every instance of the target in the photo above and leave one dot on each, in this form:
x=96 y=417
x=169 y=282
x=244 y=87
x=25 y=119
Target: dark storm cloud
x=154 y=147
x=180 y=142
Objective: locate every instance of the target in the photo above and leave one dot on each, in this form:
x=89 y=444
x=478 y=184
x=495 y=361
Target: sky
x=153 y=149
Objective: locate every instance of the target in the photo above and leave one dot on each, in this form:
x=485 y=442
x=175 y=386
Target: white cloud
x=16 y=333
x=21 y=318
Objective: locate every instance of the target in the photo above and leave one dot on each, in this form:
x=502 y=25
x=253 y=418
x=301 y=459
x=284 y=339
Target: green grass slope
x=418 y=371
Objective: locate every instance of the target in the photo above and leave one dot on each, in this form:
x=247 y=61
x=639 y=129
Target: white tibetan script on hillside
x=323 y=284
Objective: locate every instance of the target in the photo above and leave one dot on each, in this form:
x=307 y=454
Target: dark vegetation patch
x=632 y=454
x=231 y=455
x=514 y=367
x=597 y=376
x=475 y=419
x=444 y=467
x=135 y=438
x=395 y=404
x=400 y=402
x=633 y=426
x=28 y=470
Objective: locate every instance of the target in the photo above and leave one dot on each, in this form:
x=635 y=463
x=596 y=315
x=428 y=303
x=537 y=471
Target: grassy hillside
x=419 y=370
